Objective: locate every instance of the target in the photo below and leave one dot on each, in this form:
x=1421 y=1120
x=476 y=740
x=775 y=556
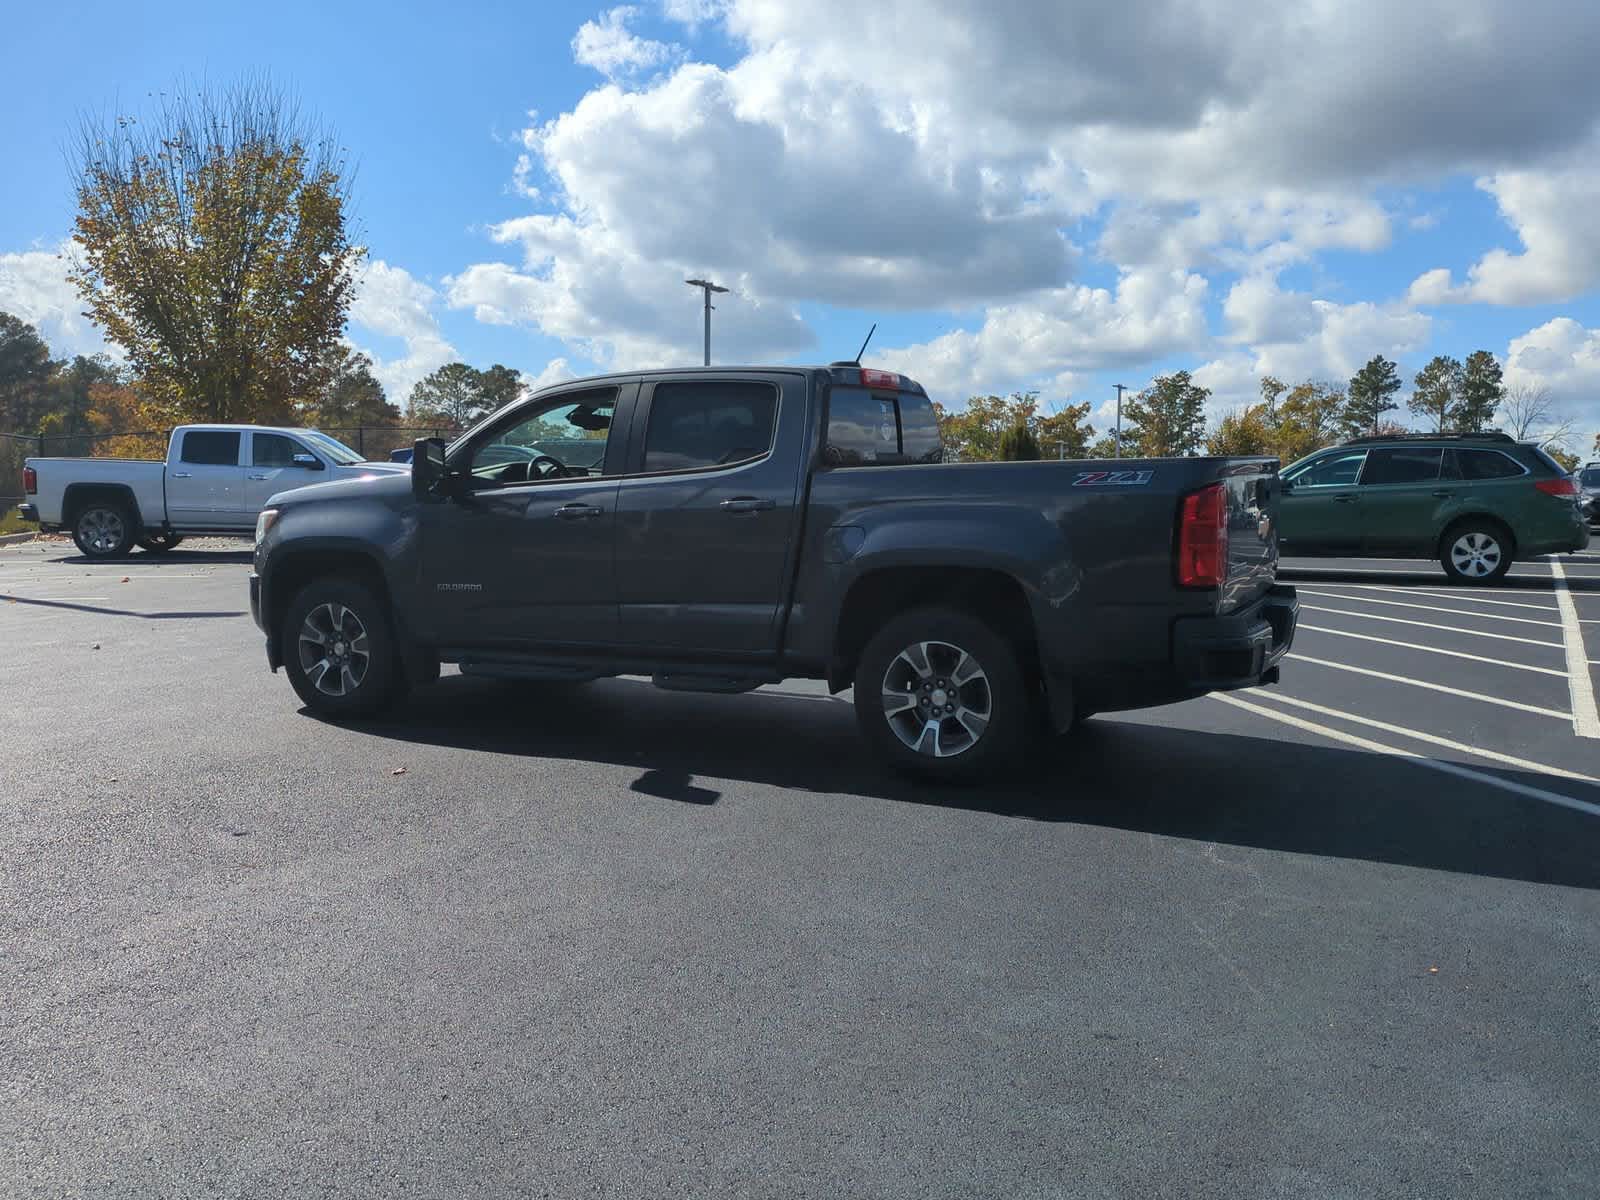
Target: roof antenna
x=863 y=349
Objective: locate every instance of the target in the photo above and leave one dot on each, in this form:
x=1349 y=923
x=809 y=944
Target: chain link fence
x=372 y=442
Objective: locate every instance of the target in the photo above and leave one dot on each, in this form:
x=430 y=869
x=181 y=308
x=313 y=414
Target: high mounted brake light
x=1203 y=538
x=1566 y=485
x=30 y=481
x=881 y=380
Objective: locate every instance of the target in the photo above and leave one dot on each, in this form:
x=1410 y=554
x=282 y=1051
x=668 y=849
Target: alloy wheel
x=936 y=698
x=1475 y=554
x=334 y=649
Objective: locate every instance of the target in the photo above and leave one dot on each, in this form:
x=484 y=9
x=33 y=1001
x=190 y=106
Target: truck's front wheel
x=337 y=648
x=941 y=695
x=103 y=529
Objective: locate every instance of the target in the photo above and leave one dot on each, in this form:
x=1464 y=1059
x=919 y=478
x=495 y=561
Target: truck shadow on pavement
x=116 y=612
x=1173 y=782
x=192 y=558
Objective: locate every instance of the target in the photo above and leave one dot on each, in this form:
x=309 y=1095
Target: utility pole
x=707 y=287
x=1120 y=389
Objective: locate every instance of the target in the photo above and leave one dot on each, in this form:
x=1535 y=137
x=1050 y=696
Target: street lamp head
x=705 y=283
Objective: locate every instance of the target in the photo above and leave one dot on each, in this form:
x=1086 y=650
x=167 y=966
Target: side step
x=727 y=682
x=550 y=672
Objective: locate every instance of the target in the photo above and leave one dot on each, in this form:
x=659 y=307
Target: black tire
x=327 y=606
x=1476 y=551
x=947 y=749
x=159 y=543
x=103 y=529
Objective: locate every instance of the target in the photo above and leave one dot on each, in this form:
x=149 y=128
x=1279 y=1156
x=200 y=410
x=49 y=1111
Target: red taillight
x=882 y=380
x=1203 y=538
x=30 y=481
x=1564 y=486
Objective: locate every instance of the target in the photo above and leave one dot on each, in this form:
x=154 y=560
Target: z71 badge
x=1124 y=478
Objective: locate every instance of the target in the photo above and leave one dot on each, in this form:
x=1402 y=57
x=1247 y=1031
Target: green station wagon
x=1476 y=502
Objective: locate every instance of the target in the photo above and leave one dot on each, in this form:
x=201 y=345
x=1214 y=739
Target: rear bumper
x=1240 y=650
x=28 y=512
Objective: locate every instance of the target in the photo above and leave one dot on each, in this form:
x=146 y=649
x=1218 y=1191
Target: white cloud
x=1074 y=328
x=1563 y=356
x=557 y=370
x=692 y=13
x=611 y=48
x=1554 y=214
x=390 y=302
x=34 y=287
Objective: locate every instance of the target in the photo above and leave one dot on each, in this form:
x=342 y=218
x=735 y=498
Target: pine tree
x=1018 y=444
x=1482 y=389
x=1438 y=393
x=1370 y=396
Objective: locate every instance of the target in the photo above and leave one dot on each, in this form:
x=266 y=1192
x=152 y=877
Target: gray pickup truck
x=719 y=529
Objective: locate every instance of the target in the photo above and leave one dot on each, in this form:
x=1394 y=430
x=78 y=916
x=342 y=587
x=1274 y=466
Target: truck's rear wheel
x=103 y=529
x=939 y=694
x=337 y=648
x=159 y=543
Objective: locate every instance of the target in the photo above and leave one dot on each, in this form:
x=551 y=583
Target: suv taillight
x=1203 y=538
x=30 y=481
x=1566 y=485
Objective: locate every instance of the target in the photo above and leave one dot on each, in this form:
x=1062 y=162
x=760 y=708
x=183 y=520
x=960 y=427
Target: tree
x=1168 y=418
x=211 y=245
x=453 y=395
x=1104 y=446
x=499 y=386
x=1526 y=407
x=1309 y=418
x=1370 y=396
x=1568 y=460
x=1271 y=389
x=1242 y=432
x=1064 y=434
x=353 y=397
x=70 y=401
x=1482 y=389
x=1438 y=392
x=25 y=370
x=974 y=434
x=1018 y=444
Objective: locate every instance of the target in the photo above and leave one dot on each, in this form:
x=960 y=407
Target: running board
x=709 y=681
x=551 y=672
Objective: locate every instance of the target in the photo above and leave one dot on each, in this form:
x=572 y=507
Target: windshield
x=333 y=448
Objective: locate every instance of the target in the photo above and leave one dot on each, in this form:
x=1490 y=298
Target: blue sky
x=1014 y=190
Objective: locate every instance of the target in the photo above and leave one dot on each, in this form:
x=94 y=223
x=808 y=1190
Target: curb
x=11 y=539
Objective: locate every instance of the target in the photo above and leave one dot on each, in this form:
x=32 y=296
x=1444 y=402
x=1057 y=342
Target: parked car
x=215 y=479
x=736 y=527
x=1476 y=502
x=1589 y=484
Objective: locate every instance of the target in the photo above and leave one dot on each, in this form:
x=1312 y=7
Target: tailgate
x=1252 y=486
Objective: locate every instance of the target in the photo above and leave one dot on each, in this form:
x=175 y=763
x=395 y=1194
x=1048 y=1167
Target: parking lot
x=1335 y=938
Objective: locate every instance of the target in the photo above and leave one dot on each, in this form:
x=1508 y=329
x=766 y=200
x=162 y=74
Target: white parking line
x=1499 y=637
x=1585 y=718
x=1449 y=768
x=1431 y=608
x=1497 y=662
x=1556 y=713
x=1292 y=569
x=1478 y=751
x=1472 y=595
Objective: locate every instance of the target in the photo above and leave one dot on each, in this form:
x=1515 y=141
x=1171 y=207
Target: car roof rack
x=1487 y=436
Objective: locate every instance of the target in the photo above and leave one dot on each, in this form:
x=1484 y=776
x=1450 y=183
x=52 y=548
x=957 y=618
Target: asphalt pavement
x=1336 y=938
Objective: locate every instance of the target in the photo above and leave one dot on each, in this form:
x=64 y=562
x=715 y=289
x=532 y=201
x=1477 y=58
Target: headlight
x=264 y=522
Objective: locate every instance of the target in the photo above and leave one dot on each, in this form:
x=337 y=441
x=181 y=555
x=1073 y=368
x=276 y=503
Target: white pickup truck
x=215 y=480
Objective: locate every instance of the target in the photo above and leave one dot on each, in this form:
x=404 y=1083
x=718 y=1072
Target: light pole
x=707 y=287
x=1120 y=389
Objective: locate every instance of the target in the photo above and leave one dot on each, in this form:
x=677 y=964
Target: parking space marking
x=1470 y=595
x=1422 y=760
x=1498 y=662
x=1499 y=637
x=1509 y=760
x=1557 y=713
x=1585 y=718
x=1294 y=569
x=1431 y=608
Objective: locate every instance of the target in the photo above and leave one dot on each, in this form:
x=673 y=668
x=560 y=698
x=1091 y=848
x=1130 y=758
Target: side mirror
x=309 y=461
x=427 y=468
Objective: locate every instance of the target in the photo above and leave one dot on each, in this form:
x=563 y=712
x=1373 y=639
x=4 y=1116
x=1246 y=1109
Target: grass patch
x=12 y=522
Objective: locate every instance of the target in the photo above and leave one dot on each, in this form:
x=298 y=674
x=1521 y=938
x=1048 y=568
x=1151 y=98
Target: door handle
x=1443 y=495
x=260 y=477
x=747 y=504
x=182 y=475
x=577 y=512
x=1347 y=498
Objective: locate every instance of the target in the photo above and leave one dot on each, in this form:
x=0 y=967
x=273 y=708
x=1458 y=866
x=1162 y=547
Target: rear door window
x=1402 y=464
x=211 y=447
x=710 y=423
